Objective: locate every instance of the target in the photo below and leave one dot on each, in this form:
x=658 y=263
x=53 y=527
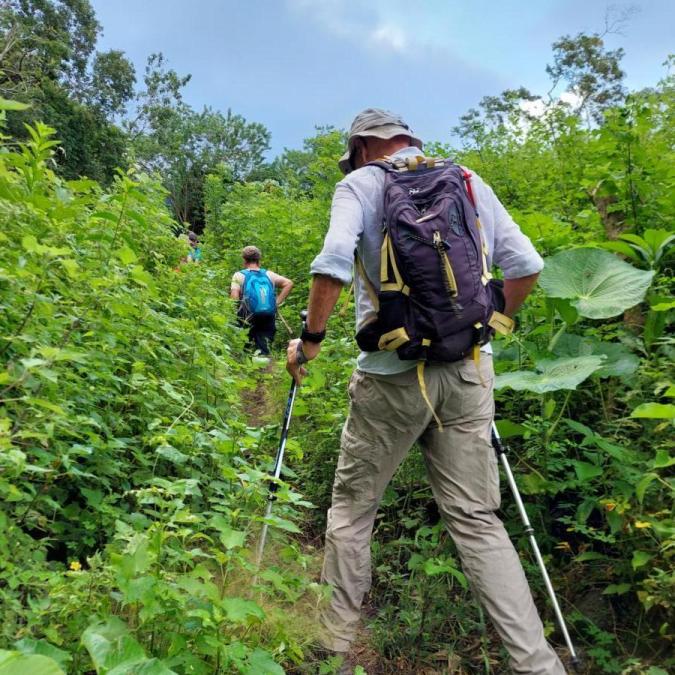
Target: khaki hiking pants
x=387 y=415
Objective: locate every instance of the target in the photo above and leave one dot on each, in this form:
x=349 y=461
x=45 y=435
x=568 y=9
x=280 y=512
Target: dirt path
x=258 y=403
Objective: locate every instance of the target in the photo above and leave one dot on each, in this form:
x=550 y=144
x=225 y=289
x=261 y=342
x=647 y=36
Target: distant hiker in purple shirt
x=426 y=307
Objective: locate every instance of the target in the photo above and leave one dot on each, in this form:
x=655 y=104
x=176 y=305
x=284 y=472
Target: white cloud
x=534 y=108
x=389 y=36
x=368 y=24
x=571 y=98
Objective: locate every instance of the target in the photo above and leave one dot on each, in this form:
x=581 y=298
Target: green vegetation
x=135 y=437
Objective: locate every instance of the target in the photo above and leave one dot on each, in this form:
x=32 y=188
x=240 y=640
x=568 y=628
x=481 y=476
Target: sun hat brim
x=385 y=132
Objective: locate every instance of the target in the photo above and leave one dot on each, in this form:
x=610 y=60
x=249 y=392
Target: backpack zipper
x=450 y=281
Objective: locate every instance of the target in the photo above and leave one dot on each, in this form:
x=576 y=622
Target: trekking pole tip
x=576 y=664
x=303 y=315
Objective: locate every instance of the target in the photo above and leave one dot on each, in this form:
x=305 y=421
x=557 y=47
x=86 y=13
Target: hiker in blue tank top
x=255 y=288
x=195 y=252
x=418 y=236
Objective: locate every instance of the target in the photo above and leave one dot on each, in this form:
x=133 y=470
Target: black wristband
x=300 y=356
x=316 y=338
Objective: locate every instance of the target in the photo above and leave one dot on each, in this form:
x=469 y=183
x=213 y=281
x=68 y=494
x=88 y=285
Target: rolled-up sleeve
x=346 y=225
x=513 y=250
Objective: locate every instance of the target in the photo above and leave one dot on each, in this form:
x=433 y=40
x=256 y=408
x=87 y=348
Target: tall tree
x=112 y=82
x=183 y=145
x=48 y=60
x=40 y=39
x=590 y=71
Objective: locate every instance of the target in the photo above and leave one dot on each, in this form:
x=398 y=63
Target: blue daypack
x=257 y=293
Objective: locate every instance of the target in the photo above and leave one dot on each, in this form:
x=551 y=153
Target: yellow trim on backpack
x=452 y=282
x=392 y=340
x=501 y=323
x=370 y=289
x=384 y=260
x=447 y=267
x=388 y=259
x=486 y=276
x=395 y=287
x=394 y=266
x=425 y=394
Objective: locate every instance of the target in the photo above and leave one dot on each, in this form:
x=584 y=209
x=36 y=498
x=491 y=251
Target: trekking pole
x=283 y=320
x=278 y=461
x=501 y=450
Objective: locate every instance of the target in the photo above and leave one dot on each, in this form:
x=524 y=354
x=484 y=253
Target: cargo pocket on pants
x=355 y=475
x=494 y=496
x=477 y=383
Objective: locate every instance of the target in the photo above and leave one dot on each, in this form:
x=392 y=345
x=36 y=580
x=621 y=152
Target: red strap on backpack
x=466 y=175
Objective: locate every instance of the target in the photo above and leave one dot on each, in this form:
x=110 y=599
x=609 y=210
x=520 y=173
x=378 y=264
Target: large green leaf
x=586 y=471
x=29 y=646
x=657 y=411
x=552 y=375
x=598 y=284
x=261 y=662
x=115 y=652
x=16 y=663
x=620 y=360
x=7 y=104
x=232 y=538
x=239 y=610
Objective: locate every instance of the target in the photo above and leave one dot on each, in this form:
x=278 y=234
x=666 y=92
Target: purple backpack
x=436 y=300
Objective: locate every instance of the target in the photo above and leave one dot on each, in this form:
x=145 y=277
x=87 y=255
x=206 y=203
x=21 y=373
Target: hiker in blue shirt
x=195 y=253
x=255 y=289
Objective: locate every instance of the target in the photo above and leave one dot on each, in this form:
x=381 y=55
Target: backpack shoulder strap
x=383 y=163
x=487 y=275
x=466 y=176
x=370 y=289
x=400 y=164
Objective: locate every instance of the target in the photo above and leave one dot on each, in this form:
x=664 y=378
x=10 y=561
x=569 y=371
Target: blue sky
x=295 y=64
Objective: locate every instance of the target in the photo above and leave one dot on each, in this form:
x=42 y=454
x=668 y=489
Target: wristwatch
x=316 y=338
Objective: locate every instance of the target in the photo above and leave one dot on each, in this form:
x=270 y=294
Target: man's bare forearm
x=322 y=299
x=515 y=292
x=285 y=290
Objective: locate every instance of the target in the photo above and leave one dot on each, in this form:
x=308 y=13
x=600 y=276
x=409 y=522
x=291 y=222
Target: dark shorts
x=262 y=329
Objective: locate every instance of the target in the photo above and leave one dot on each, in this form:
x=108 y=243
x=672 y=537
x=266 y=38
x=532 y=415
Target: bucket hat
x=380 y=124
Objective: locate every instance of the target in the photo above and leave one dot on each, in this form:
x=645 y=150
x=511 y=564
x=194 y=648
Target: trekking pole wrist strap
x=316 y=338
x=300 y=355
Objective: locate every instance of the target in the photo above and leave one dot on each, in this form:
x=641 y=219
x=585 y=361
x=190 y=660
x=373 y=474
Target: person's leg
x=464 y=475
x=269 y=332
x=385 y=418
x=259 y=334
x=262 y=332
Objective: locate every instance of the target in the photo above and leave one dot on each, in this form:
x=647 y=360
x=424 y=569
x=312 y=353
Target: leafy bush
x=131 y=485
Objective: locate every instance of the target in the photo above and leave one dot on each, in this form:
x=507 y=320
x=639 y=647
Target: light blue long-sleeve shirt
x=356 y=225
